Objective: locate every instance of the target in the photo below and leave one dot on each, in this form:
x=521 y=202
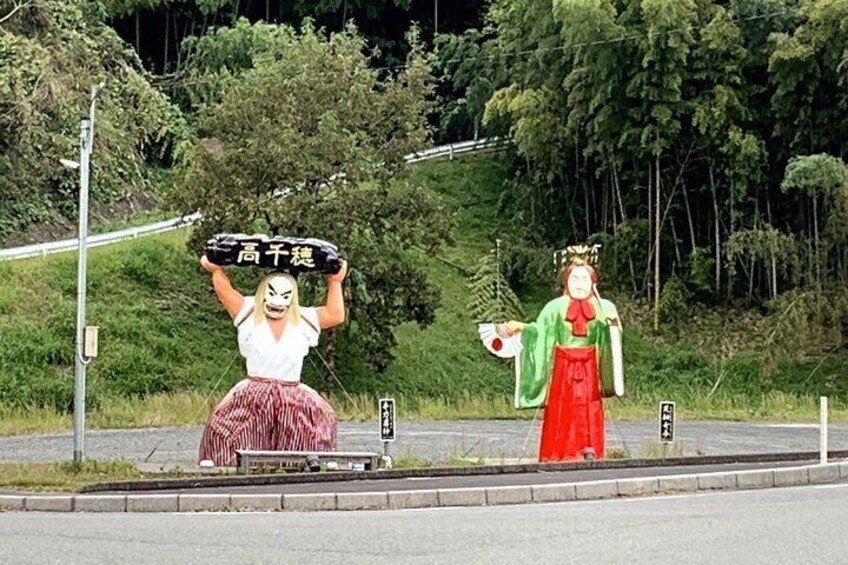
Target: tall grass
x=192 y=408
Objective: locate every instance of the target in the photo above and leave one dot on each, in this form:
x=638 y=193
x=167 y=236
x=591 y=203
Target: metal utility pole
x=86 y=142
x=435 y=18
x=498 y=277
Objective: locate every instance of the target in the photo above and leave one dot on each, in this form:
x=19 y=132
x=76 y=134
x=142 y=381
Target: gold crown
x=587 y=253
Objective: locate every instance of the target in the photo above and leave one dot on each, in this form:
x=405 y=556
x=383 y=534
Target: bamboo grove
x=703 y=142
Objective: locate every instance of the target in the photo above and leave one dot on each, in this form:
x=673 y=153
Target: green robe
x=538 y=340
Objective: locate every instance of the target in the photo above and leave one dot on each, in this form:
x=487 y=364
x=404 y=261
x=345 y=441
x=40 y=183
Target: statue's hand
x=510 y=328
x=209 y=265
x=340 y=276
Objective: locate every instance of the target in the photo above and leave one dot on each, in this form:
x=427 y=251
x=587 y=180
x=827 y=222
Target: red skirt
x=268 y=415
x=574 y=415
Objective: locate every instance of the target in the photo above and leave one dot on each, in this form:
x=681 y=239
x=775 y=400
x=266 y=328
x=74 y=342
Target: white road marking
x=839 y=485
x=796 y=426
x=408 y=433
x=223 y=513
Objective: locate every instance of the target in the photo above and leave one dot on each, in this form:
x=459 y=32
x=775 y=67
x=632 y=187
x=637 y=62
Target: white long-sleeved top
x=266 y=357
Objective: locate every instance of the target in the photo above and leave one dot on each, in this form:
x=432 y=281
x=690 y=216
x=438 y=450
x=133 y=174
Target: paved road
x=440 y=440
x=782 y=526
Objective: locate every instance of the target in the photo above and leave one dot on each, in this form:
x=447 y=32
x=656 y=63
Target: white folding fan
x=505 y=347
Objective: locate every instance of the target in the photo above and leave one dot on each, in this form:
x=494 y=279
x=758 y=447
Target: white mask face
x=278 y=297
x=580 y=283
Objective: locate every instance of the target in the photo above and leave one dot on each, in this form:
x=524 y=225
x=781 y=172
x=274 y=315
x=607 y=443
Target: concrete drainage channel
x=430 y=498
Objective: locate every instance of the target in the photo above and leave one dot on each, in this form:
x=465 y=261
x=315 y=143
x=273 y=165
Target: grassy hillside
x=162 y=331
x=447 y=358
x=159 y=329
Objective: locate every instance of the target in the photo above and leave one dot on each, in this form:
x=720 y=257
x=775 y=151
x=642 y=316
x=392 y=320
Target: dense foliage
x=300 y=137
x=51 y=52
x=701 y=141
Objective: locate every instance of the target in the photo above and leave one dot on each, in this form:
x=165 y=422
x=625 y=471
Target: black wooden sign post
x=666 y=422
x=387 y=419
x=387 y=423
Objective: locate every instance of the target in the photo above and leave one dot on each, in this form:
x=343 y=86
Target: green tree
x=50 y=54
x=822 y=179
x=471 y=69
x=719 y=109
x=811 y=92
x=304 y=144
x=664 y=50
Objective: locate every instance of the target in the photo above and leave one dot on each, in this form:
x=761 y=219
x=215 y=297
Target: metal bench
x=247 y=459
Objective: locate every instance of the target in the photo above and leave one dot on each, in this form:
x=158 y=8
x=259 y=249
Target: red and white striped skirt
x=268 y=415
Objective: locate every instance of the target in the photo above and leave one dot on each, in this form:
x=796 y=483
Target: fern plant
x=491 y=298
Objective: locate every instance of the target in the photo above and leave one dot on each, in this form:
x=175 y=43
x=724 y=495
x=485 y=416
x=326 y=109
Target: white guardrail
x=40 y=249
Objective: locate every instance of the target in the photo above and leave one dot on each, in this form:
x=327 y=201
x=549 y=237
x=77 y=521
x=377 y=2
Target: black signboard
x=290 y=254
x=387 y=419
x=667 y=421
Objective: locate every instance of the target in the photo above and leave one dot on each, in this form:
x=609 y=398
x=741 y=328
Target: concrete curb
x=476 y=496
x=223 y=481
